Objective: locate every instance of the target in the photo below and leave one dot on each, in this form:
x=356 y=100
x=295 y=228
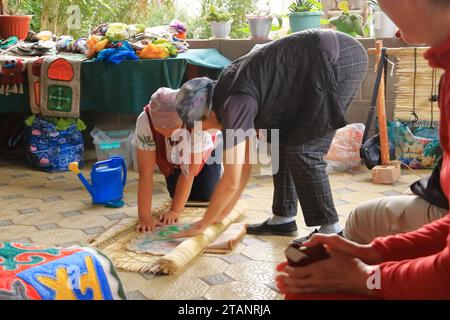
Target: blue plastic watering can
x=108 y=178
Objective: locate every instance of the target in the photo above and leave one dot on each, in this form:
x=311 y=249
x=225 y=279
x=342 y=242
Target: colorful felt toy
x=12 y=77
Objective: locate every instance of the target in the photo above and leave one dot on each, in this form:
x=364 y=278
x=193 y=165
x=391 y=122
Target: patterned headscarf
x=162 y=109
x=194 y=100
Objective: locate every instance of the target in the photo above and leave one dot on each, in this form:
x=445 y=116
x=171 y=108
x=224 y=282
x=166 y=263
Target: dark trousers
x=302 y=169
x=203 y=186
x=302 y=176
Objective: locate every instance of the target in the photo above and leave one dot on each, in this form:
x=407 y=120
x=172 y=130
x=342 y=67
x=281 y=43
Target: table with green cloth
x=126 y=88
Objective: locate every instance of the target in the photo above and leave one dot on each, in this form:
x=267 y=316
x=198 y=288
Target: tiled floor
x=54 y=209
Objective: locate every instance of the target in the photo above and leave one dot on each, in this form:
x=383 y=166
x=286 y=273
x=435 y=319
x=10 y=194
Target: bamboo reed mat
x=423 y=84
x=114 y=241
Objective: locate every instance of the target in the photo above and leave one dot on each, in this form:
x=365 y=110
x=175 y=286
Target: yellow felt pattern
x=63 y=290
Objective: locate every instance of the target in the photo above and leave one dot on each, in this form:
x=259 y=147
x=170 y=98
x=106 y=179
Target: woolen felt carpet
x=115 y=243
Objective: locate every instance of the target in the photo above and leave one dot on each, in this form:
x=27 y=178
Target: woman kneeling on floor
x=160 y=142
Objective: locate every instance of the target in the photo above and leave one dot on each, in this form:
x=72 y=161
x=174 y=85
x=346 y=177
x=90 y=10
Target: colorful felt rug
x=168 y=256
x=54 y=86
x=42 y=273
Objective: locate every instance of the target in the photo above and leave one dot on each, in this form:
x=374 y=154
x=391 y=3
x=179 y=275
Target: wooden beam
x=395 y=51
x=381 y=110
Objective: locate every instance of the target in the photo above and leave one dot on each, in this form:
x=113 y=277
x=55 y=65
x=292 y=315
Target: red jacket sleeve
x=418 y=279
x=426 y=275
x=429 y=240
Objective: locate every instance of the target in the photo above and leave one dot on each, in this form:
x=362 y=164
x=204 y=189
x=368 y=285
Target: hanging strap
x=381 y=68
x=414 y=116
x=434 y=95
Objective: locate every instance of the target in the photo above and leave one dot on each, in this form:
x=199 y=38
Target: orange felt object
x=152 y=51
x=95 y=45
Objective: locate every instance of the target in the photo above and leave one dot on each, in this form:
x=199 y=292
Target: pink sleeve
x=429 y=240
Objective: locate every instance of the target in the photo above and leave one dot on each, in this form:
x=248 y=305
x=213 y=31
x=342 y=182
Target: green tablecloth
x=127 y=87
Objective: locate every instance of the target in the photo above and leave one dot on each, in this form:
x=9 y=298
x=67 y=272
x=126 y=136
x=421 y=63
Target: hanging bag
x=370 y=149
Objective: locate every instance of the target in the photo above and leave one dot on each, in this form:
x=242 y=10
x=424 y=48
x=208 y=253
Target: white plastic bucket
x=221 y=30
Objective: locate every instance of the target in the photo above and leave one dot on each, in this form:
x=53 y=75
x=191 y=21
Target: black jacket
x=294 y=84
x=430 y=189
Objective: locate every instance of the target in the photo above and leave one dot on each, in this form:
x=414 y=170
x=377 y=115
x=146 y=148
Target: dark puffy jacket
x=294 y=84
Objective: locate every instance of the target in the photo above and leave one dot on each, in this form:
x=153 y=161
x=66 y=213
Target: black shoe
x=286 y=229
x=300 y=241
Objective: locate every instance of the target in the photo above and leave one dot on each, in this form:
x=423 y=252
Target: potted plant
x=348 y=22
x=220 y=21
x=383 y=25
x=260 y=23
x=11 y=22
x=305 y=14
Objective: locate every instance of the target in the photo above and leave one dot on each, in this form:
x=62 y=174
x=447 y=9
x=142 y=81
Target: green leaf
x=81 y=126
x=29 y=122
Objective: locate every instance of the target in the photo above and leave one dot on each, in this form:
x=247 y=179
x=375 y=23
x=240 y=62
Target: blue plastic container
x=301 y=21
x=108 y=178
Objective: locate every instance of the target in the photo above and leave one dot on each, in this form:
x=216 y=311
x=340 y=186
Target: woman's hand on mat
x=147 y=224
x=366 y=253
x=339 y=273
x=170 y=217
x=195 y=230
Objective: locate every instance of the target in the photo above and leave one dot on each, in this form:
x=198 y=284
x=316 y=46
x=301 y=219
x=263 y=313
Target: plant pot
x=260 y=26
x=301 y=21
x=221 y=30
x=383 y=25
x=14 y=26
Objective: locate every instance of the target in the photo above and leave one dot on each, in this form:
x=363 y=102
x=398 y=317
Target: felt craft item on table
x=11 y=76
x=117 y=53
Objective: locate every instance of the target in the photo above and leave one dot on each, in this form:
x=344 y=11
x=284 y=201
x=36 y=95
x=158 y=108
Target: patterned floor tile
x=136 y=295
x=22 y=240
x=252 y=271
x=28 y=210
x=56 y=178
x=116 y=216
x=69 y=244
x=48 y=226
x=173 y=288
x=52 y=199
x=273 y=286
x=12 y=197
x=94 y=230
x=235 y=258
x=392 y=193
x=4 y=223
x=251 y=240
x=66 y=218
x=21 y=175
x=343 y=191
x=267 y=251
x=242 y=291
x=205 y=266
x=71 y=213
x=217 y=279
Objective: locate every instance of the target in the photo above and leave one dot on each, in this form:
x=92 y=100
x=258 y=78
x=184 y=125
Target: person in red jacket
x=414 y=265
